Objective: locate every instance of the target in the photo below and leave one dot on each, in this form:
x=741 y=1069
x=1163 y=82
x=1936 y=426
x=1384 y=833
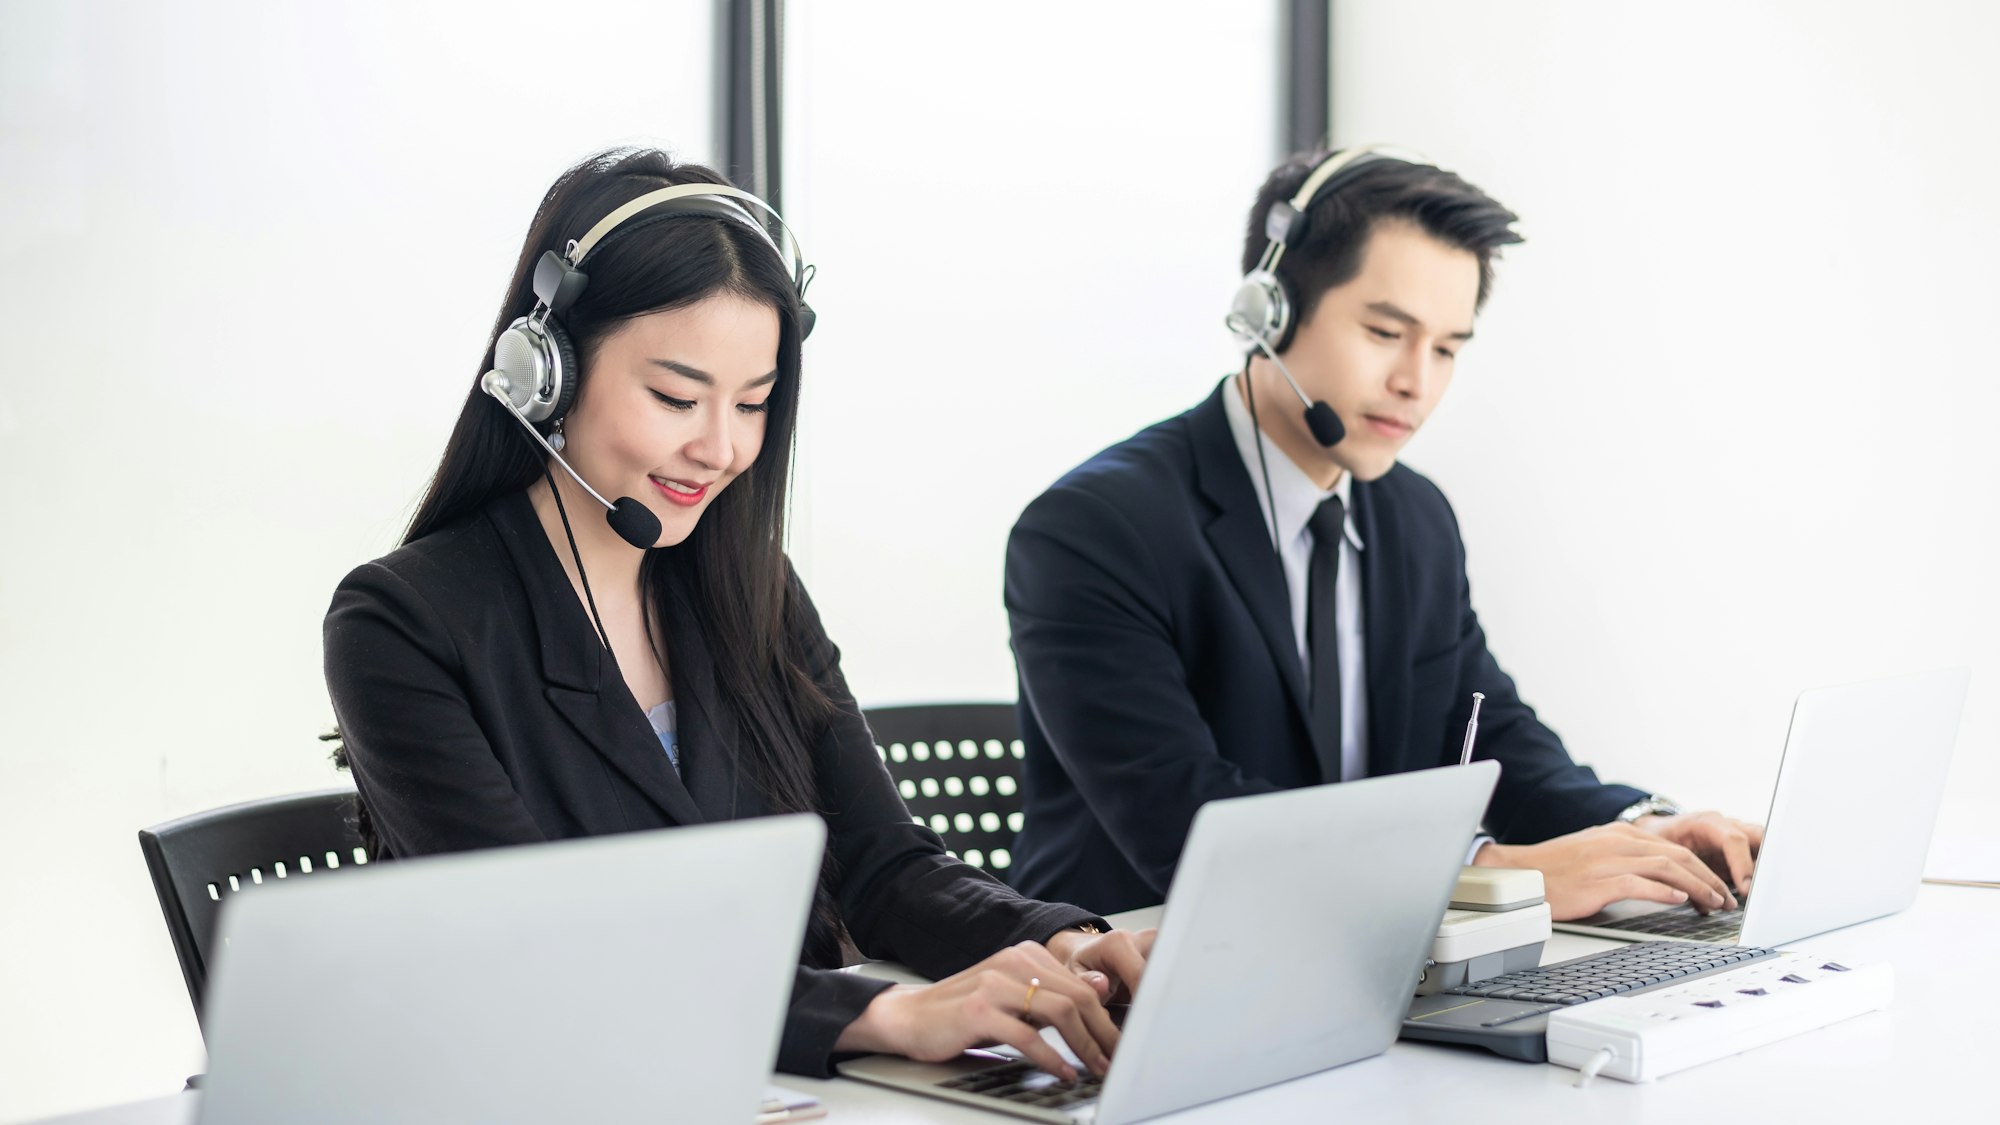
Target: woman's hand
x=1003 y=999
x=1110 y=962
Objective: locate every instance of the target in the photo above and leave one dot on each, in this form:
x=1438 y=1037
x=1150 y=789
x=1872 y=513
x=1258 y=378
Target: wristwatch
x=1653 y=805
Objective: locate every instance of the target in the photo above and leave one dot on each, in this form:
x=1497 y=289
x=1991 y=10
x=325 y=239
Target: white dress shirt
x=1297 y=499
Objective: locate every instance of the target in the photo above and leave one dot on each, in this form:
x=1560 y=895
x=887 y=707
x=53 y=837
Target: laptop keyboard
x=1027 y=1084
x=1611 y=972
x=1683 y=922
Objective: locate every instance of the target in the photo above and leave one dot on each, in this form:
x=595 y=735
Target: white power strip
x=1641 y=1036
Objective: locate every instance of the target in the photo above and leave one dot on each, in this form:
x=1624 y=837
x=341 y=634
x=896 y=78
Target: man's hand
x=1586 y=871
x=1727 y=845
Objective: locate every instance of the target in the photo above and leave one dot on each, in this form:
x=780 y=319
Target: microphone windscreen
x=634 y=522
x=1324 y=424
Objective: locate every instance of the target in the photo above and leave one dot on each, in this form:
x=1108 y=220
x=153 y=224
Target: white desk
x=1930 y=1054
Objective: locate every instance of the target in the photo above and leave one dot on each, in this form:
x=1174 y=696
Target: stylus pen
x=1471 y=728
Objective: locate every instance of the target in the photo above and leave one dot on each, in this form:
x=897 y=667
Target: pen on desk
x=1471 y=728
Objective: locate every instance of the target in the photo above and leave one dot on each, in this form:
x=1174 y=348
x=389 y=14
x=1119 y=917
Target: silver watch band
x=1653 y=805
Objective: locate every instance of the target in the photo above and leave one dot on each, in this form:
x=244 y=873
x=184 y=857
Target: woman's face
x=672 y=407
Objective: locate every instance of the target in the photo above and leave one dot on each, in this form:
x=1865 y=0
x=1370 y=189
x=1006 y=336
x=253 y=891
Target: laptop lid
x=1857 y=796
x=1293 y=935
x=638 y=977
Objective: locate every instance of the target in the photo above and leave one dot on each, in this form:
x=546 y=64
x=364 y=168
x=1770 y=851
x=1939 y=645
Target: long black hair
x=730 y=574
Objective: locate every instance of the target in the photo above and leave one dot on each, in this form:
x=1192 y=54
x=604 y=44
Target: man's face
x=1379 y=350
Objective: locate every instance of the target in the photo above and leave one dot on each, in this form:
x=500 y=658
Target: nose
x=713 y=445
x=1416 y=371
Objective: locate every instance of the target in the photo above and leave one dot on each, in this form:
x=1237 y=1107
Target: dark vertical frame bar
x=750 y=105
x=1304 y=53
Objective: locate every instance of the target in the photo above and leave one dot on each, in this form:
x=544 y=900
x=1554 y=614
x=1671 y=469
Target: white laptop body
x=639 y=977
x=1858 y=790
x=1293 y=935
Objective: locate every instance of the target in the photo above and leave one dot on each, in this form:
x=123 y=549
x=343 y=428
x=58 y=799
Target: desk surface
x=1929 y=1053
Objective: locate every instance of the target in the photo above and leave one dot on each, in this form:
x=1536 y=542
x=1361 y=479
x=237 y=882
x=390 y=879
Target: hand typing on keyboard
x=1586 y=871
x=1729 y=846
x=1003 y=999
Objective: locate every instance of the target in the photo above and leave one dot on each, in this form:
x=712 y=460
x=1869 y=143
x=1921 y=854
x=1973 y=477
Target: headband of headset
x=1285 y=221
x=560 y=278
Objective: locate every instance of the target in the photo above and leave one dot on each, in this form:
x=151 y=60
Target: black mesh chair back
x=198 y=861
x=958 y=767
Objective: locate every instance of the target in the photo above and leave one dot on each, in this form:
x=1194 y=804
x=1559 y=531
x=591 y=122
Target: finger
x=1646 y=890
x=1756 y=834
x=1713 y=838
x=1690 y=876
x=1092 y=1018
x=1070 y=1021
x=1736 y=860
x=1118 y=954
x=1030 y=1043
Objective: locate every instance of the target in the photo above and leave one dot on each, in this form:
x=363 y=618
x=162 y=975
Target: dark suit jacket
x=1159 y=669
x=478 y=709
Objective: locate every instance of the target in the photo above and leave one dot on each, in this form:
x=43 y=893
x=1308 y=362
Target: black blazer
x=478 y=709
x=1159 y=669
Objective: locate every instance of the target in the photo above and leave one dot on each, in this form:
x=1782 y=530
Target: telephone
x=1497 y=923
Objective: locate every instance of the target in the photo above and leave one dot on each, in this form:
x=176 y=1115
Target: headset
x=534 y=355
x=1264 y=312
x=535 y=370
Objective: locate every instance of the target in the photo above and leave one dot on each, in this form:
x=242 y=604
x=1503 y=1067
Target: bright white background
x=1722 y=436
x=252 y=253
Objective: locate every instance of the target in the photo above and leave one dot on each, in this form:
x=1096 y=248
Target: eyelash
x=688 y=404
x=1385 y=334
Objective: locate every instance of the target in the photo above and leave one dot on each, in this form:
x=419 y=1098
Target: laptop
x=1293 y=936
x=1858 y=791
x=638 y=977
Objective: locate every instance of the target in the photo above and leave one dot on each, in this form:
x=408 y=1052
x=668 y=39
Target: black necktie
x=1328 y=525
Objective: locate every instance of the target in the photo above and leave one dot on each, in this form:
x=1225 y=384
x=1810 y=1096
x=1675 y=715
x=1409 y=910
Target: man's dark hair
x=1327 y=253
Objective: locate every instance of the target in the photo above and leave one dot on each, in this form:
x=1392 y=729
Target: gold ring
x=1033 y=984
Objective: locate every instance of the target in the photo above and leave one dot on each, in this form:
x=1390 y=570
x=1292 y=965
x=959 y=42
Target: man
x=1245 y=598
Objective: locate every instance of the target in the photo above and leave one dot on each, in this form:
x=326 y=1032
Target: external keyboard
x=1508 y=1014
x=1609 y=973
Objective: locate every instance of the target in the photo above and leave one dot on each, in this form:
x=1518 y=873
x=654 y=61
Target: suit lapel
x=1385 y=590
x=583 y=683
x=1241 y=538
x=707 y=730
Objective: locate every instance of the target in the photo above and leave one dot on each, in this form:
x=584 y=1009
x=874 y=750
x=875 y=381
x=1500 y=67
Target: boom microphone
x=634 y=522
x=1325 y=425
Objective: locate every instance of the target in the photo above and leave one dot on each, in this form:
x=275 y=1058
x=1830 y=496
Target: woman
x=518 y=671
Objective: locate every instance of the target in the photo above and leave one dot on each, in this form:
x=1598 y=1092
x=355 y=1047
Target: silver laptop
x=1293 y=936
x=1858 y=790
x=578 y=981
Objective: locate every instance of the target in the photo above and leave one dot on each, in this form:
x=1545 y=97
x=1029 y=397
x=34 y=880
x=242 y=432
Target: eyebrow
x=707 y=380
x=1385 y=308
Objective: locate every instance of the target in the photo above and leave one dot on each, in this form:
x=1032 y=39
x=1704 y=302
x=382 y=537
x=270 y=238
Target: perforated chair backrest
x=198 y=861
x=958 y=767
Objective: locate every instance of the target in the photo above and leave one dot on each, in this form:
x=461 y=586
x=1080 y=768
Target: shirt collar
x=1297 y=496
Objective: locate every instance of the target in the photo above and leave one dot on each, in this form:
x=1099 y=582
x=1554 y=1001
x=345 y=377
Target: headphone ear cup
x=1287 y=325
x=540 y=366
x=567 y=372
x=1262 y=309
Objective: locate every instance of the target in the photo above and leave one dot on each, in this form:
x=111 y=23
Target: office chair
x=958 y=768
x=198 y=861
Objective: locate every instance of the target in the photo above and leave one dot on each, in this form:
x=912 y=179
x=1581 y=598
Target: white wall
x=251 y=255
x=1726 y=432
x=1027 y=221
